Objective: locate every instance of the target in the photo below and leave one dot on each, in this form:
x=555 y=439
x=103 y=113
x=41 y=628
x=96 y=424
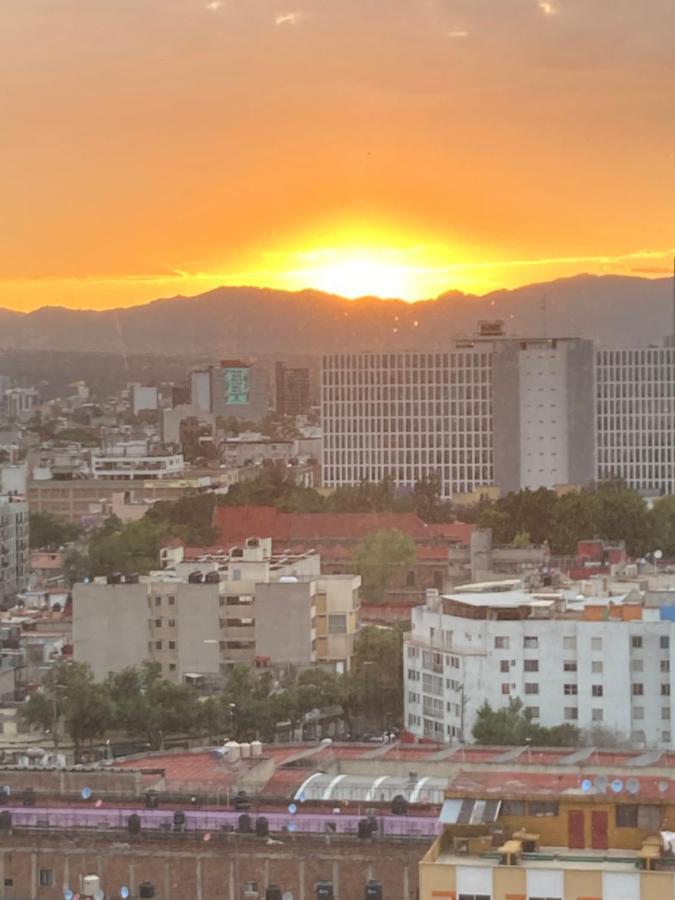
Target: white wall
x=543 y=416
x=477 y=667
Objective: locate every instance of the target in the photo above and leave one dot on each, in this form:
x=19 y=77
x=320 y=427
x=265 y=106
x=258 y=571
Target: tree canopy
x=49 y=533
x=380 y=558
x=513 y=725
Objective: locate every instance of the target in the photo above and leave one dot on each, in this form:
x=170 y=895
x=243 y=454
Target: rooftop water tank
x=232 y=751
x=256 y=748
x=245 y=750
x=90 y=885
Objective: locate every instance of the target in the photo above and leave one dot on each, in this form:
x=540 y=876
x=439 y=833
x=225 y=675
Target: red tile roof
x=235 y=523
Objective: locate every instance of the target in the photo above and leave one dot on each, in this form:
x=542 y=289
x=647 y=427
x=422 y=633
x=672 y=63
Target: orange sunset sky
x=399 y=147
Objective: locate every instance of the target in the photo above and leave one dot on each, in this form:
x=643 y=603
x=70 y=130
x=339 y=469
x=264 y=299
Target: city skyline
x=399 y=150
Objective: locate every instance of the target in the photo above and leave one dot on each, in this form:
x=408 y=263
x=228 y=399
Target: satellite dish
x=658 y=554
x=68 y=894
x=99 y=895
x=633 y=786
x=292 y=826
x=6 y=790
x=617 y=785
x=586 y=785
x=124 y=892
x=86 y=793
x=663 y=786
x=292 y=808
x=600 y=784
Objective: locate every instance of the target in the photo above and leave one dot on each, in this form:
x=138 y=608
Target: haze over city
x=397 y=149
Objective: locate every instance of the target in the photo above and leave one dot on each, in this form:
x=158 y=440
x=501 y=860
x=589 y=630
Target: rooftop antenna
x=544 y=303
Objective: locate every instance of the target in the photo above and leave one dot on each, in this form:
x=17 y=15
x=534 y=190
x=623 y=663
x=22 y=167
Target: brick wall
x=188 y=866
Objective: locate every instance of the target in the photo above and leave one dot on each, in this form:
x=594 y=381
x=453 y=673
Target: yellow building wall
x=657 y=886
x=509 y=883
x=554 y=829
x=437 y=881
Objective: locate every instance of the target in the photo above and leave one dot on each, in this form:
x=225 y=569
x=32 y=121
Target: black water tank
x=146 y=890
x=374 y=890
x=399 y=805
x=151 y=800
x=262 y=826
x=242 y=801
x=5 y=820
x=273 y=893
x=365 y=828
x=28 y=797
x=179 y=820
x=245 y=823
x=324 y=890
x=134 y=824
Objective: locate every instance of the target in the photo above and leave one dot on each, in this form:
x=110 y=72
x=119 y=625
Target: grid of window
x=635 y=408
x=406 y=416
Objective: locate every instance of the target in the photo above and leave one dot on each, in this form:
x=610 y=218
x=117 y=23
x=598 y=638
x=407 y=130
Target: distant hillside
x=614 y=310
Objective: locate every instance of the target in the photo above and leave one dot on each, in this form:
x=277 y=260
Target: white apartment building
x=589 y=663
x=129 y=464
x=516 y=413
x=635 y=400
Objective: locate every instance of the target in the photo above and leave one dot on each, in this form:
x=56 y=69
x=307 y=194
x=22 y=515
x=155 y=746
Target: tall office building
x=516 y=413
x=635 y=404
x=232 y=388
x=14 y=548
x=291 y=390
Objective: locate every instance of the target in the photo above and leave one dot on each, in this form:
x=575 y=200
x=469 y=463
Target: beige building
x=543 y=836
x=203 y=617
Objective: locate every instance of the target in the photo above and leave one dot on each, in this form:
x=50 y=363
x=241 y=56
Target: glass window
x=596 y=690
x=501 y=643
x=596 y=643
x=664 y=642
x=337 y=624
x=636 y=642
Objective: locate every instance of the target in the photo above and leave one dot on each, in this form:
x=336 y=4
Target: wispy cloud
x=289 y=18
x=457 y=33
x=546 y=7
x=214 y=5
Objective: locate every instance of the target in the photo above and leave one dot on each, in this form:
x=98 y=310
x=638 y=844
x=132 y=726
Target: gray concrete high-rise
x=511 y=412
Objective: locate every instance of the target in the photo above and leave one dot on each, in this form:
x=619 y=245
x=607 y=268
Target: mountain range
x=614 y=310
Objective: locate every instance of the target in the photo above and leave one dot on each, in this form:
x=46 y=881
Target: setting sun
x=362 y=275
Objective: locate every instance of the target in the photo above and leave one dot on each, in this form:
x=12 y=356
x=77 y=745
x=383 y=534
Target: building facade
x=292 y=390
x=516 y=413
x=204 y=617
x=14 y=548
x=592 y=663
x=552 y=837
x=635 y=399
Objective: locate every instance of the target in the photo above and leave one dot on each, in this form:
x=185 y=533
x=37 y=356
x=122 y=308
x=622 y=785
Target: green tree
x=49 y=533
x=76 y=566
x=380 y=558
x=513 y=726
x=375 y=685
x=663 y=526
x=575 y=517
x=623 y=516
x=130 y=548
x=69 y=697
x=146 y=705
x=190 y=516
